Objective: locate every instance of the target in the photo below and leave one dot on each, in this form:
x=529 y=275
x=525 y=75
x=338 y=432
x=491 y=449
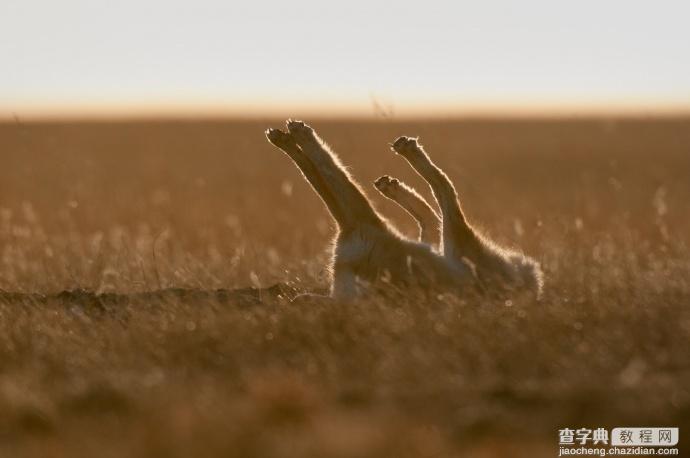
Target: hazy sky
x=460 y=55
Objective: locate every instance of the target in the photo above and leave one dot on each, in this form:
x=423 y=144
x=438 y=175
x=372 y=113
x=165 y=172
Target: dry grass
x=137 y=207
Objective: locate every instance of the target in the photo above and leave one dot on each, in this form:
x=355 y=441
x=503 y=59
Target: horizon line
x=247 y=109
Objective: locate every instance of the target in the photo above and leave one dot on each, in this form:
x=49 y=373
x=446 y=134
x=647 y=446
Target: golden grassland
x=127 y=208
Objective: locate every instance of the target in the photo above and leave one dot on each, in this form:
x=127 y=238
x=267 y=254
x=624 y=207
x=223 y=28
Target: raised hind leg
x=356 y=209
x=414 y=204
x=356 y=218
x=497 y=268
x=458 y=239
x=289 y=146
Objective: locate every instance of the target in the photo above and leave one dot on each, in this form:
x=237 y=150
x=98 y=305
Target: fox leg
x=354 y=205
x=414 y=204
x=458 y=239
x=289 y=146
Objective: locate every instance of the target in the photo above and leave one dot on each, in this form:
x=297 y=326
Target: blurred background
x=437 y=58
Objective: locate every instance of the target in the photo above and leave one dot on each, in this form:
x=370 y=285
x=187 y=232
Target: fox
x=370 y=256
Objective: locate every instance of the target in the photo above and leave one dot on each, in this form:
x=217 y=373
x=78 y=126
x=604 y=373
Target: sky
x=362 y=57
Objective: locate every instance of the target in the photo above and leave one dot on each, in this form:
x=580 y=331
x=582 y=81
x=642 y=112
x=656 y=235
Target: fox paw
x=300 y=131
x=387 y=184
x=407 y=146
x=280 y=139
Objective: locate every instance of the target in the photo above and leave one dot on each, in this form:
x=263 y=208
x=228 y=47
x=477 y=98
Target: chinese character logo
x=626 y=436
x=567 y=436
x=601 y=436
x=665 y=436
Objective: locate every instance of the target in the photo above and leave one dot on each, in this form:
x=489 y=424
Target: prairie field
x=96 y=218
